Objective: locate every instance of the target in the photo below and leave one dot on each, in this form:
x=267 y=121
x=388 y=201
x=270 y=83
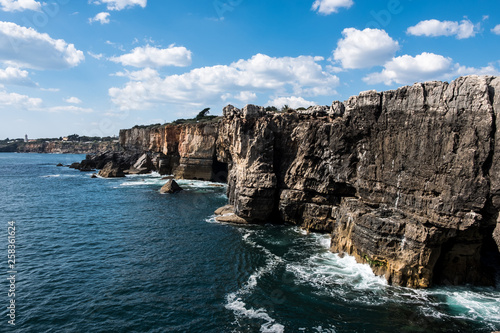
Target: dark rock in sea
x=60 y=165
x=111 y=170
x=75 y=165
x=171 y=187
x=93 y=175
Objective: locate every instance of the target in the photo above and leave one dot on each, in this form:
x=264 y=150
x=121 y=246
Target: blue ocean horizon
x=115 y=255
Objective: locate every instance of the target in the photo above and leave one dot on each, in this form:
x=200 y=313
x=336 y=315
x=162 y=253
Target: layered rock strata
x=407 y=180
x=187 y=151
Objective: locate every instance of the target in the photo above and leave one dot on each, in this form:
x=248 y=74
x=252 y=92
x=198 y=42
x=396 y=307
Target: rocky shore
x=407 y=180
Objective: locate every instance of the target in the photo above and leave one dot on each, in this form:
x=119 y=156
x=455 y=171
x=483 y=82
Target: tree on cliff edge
x=203 y=113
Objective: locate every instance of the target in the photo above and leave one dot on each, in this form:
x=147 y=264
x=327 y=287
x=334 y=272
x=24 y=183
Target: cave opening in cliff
x=219 y=171
x=471 y=257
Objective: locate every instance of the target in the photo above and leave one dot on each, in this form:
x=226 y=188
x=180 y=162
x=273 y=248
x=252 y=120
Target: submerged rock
x=171 y=187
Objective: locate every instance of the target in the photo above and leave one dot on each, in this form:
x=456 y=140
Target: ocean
x=115 y=255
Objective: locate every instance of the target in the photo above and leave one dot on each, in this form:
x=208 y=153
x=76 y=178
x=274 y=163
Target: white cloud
x=25 y=47
x=424 y=67
x=18 y=100
x=102 y=18
x=364 y=49
x=73 y=100
x=50 y=89
x=19 y=5
x=13 y=75
x=67 y=108
x=299 y=76
x=496 y=30
x=292 y=101
x=121 y=4
x=434 y=28
x=243 y=96
x=487 y=70
x=407 y=69
x=149 y=56
x=327 y=7
x=97 y=56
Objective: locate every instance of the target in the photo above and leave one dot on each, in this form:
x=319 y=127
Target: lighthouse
x=25 y=137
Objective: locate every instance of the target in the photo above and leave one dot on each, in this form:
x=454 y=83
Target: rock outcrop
x=111 y=170
x=170 y=187
x=406 y=180
x=187 y=151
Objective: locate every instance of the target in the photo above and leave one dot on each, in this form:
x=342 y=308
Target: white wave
x=234 y=300
x=323 y=240
x=484 y=306
x=51 y=176
x=238 y=307
x=327 y=271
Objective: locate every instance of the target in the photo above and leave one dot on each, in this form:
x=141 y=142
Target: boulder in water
x=171 y=187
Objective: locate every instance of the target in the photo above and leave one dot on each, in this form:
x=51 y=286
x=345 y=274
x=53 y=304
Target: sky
x=92 y=67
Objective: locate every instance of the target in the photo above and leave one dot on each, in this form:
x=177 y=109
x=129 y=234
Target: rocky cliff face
x=187 y=151
x=405 y=180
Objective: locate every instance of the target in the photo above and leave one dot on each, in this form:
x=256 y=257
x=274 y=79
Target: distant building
x=26 y=138
x=65 y=138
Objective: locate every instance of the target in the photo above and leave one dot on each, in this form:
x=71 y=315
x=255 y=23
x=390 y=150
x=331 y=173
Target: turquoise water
x=115 y=255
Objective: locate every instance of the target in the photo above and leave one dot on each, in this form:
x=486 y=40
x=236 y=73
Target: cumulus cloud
x=434 y=28
x=16 y=76
x=18 y=100
x=19 y=5
x=275 y=76
x=292 y=101
x=423 y=67
x=327 y=7
x=25 y=47
x=408 y=69
x=102 y=18
x=149 y=56
x=73 y=100
x=496 y=30
x=242 y=96
x=121 y=4
x=364 y=48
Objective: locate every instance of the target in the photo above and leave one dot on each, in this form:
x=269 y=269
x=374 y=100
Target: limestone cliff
x=187 y=151
x=406 y=180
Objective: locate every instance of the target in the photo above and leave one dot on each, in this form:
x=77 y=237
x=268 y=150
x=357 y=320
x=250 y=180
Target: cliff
x=187 y=150
x=404 y=180
x=60 y=147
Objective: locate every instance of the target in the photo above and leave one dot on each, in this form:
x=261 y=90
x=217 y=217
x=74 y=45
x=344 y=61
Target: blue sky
x=93 y=67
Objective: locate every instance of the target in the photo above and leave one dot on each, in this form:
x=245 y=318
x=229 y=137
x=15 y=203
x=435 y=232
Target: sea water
x=115 y=255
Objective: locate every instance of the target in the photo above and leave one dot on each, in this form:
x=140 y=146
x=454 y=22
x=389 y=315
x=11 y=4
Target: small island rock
x=171 y=187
